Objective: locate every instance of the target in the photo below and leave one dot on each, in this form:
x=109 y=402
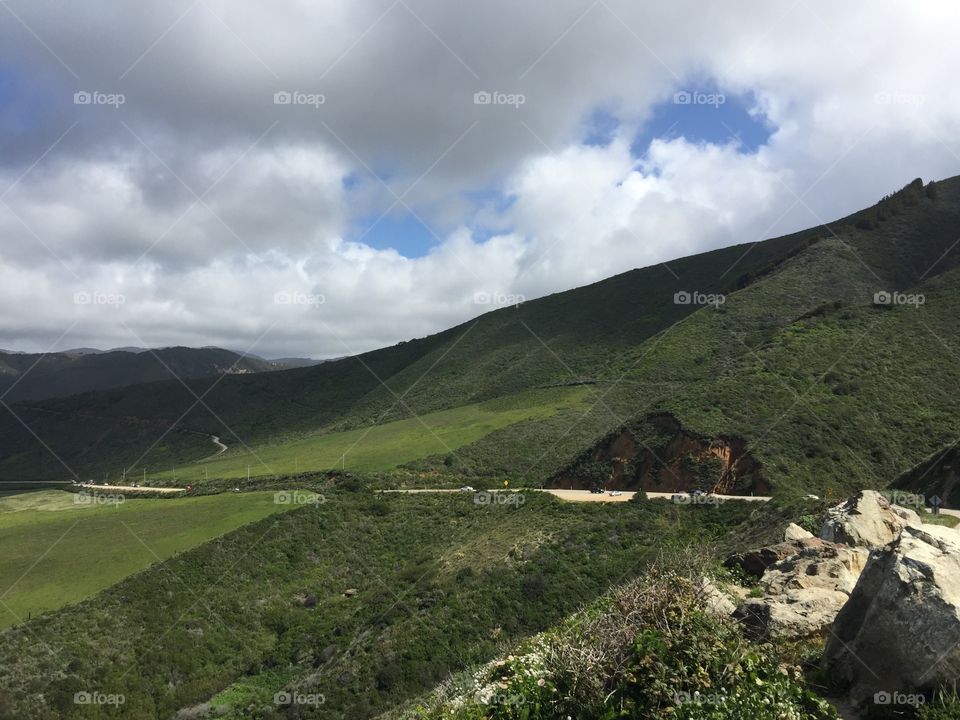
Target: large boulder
x=803 y=590
x=793 y=614
x=826 y=566
x=900 y=630
x=866 y=520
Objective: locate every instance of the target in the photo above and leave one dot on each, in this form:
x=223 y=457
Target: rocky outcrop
x=755 y=562
x=866 y=520
x=900 y=629
x=795 y=614
x=804 y=587
x=659 y=454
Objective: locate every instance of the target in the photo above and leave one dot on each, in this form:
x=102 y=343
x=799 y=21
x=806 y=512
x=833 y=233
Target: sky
x=323 y=178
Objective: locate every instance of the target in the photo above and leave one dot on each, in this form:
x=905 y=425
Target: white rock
x=795 y=532
x=866 y=520
x=900 y=630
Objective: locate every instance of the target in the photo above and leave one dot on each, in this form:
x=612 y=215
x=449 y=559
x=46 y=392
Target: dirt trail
x=221 y=448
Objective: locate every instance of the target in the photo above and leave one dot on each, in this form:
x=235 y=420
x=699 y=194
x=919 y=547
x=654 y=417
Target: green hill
x=796 y=382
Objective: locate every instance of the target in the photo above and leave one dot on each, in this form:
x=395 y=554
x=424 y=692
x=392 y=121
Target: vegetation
x=381 y=447
x=366 y=600
x=651 y=648
x=59 y=551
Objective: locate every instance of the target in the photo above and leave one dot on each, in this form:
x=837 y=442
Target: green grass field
x=57 y=552
x=380 y=447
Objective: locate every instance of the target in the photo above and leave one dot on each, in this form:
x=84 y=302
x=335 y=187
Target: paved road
x=587 y=496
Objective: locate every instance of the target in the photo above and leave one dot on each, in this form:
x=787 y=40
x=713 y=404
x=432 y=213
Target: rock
x=825 y=566
x=804 y=584
x=793 y=614
x=900 y=628
x=326 y=655
x=795 y=532
x=349 y=592
x=755 y=562
x=866 y=520
x=714 y=599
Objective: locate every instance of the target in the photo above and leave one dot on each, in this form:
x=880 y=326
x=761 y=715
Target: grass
x=441 y=583
x=57 y=552
x=381 y=447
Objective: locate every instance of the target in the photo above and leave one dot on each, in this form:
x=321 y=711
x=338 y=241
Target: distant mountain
x=33 y=377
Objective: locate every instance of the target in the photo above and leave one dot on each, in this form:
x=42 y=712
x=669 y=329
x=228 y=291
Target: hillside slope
x=792 y=365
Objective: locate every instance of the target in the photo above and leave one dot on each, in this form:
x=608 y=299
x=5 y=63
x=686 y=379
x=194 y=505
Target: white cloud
x=859 y=101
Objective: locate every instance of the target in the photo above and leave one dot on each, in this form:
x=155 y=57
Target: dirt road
x=131 y=489
x=587 y=496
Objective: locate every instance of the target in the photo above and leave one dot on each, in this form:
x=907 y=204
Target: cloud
x=856 y=106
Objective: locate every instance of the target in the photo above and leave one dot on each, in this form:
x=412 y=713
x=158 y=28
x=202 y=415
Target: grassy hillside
x=366 y=601
x=58 y=552
x=380 y=447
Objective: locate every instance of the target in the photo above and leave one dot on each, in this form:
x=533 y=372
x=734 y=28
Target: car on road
x=467 y=488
